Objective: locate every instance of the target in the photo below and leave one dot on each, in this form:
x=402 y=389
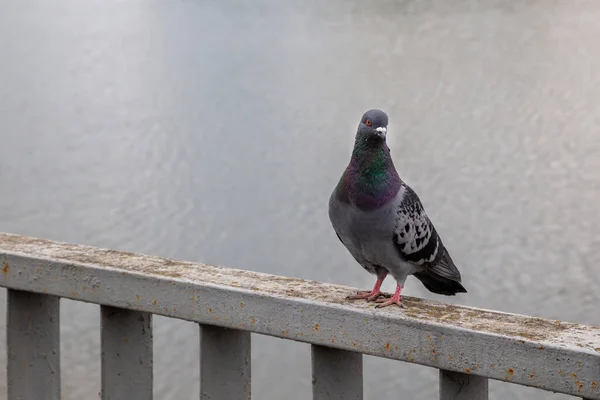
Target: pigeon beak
x=381 y=131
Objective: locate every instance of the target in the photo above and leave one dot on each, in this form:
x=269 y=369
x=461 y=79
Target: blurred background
x=214 y=131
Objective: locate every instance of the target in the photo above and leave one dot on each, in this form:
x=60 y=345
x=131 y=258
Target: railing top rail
x=551 y=355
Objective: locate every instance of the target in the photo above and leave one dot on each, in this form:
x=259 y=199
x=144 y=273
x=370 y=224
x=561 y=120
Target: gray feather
x=399 y=238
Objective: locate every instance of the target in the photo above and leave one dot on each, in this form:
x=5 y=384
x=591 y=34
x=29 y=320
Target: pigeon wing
x=417 y=241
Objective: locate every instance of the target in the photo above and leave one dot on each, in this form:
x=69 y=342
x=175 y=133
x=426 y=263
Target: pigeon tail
x=443 y=277
x=440 y=285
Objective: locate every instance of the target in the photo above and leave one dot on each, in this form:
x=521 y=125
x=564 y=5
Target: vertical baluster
x=459 y=386
x=225 y=367
x=126 y=338
x=336 y=374
x=33 y=346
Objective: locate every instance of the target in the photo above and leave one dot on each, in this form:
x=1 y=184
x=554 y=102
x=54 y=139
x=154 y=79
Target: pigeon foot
x=385 y=303
x=396 y=299
x=373 y=294
x=369 y=296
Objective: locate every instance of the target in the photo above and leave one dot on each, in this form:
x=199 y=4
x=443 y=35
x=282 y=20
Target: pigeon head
x=370 y=180
x=373 y=126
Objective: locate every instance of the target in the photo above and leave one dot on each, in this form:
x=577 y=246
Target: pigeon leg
x=396 y=299
x=373 y=294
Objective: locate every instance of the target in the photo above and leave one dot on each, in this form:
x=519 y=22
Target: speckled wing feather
x=417 y=240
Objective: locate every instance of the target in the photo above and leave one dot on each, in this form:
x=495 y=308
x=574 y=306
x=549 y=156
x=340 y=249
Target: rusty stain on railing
x=547 y=354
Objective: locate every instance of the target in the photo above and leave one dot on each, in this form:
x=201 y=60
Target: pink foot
x=370 y=296
x=396 y=299
x=373 y=294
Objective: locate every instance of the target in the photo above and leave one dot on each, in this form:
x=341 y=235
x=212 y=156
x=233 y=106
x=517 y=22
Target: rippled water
x=215 y=131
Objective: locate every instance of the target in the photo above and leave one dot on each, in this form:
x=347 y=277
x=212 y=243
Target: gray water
x=214 y=131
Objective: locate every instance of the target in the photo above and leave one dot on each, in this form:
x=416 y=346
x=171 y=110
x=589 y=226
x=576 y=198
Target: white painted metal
x=336 y=374
x=33 y=346
x=224 y=363
x=550 y=355
x=462 y=386
x=126 y=340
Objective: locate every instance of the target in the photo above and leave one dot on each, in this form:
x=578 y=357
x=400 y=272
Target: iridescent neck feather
x=370 y=181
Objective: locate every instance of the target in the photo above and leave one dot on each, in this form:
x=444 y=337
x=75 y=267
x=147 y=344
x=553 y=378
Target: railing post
x=336 y=374
x=33 y=346
x=225 y=367
x=459 y=386
x=126 y=339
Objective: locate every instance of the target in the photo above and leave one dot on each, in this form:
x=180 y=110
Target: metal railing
x=468 y=345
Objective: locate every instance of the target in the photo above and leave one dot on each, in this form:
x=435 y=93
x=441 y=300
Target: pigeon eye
x=368 y=122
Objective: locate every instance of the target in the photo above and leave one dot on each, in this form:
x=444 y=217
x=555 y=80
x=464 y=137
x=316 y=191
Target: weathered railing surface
x=467 y=345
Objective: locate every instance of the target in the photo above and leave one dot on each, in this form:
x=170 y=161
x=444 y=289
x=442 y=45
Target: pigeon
x=382 y=223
